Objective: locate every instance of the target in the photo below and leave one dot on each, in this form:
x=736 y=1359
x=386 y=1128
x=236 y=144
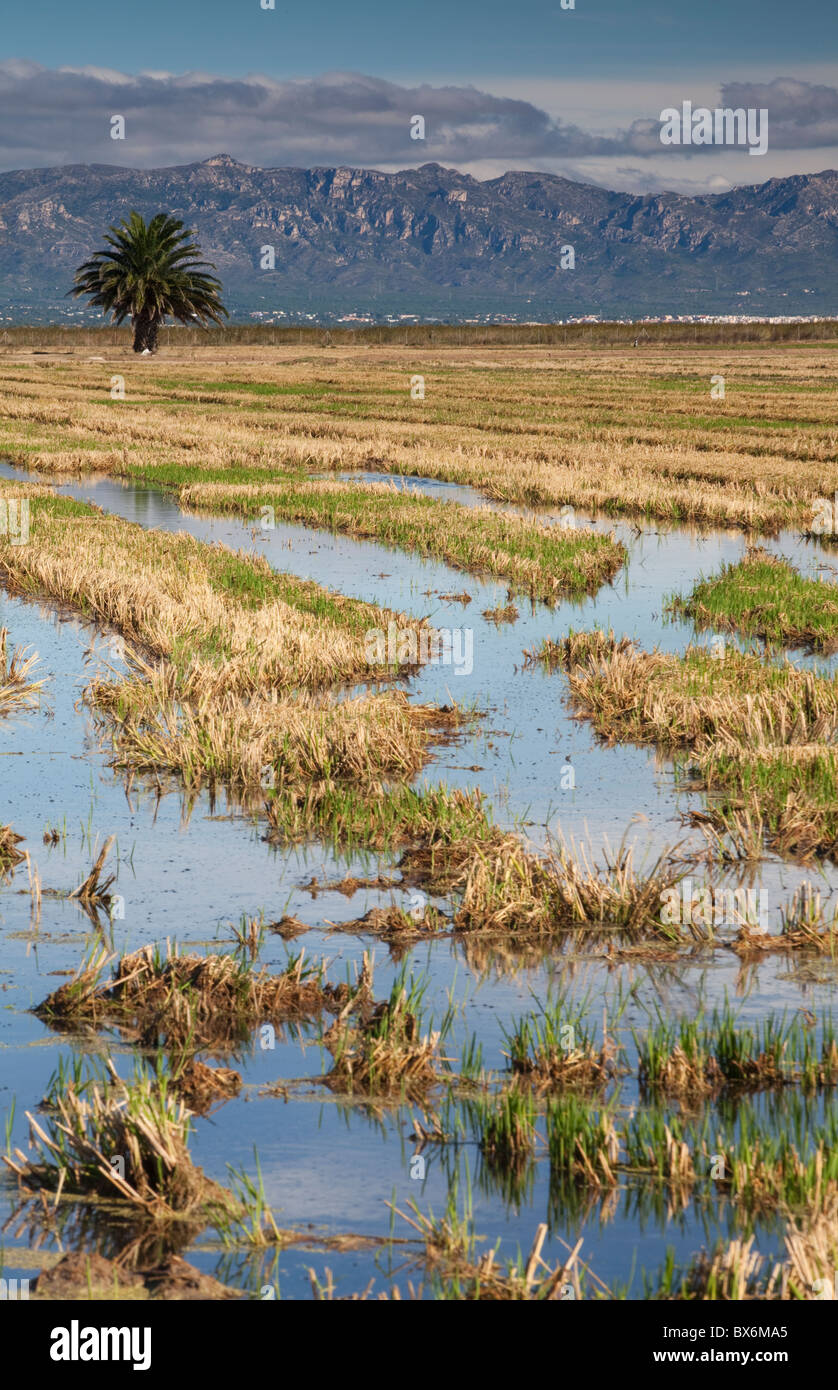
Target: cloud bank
x=63 y=116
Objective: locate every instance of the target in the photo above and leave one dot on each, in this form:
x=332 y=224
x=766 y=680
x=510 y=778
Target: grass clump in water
x=382 y=1050
x=18 y=691
x=694 y=1058
x=89 y=1121
x=554 y=1048
x=188 y=1001
x=765 y=596
x=10 y=855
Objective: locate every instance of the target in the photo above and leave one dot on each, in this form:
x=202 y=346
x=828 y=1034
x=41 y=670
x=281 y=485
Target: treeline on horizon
x=420 y=335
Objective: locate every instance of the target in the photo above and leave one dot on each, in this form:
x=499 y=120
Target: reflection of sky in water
x=321 y=1163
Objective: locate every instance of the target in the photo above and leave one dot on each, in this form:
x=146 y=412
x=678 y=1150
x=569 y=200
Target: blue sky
x=426 y=40
x=331 y=81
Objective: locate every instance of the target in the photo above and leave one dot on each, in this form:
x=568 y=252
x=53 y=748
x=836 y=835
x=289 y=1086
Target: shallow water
x=190 y=873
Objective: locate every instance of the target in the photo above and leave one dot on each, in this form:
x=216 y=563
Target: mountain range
x=434 y=242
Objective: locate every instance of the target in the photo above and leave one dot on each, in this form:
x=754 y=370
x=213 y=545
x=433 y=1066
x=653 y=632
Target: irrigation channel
x=191 y=872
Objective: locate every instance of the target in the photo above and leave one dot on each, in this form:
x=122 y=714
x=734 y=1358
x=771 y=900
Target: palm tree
x=150 y=271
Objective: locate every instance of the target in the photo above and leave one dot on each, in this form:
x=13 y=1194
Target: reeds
x=694 y=1058
x=505 y=887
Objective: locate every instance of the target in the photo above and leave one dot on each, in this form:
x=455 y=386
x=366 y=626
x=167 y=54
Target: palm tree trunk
x=145 y=332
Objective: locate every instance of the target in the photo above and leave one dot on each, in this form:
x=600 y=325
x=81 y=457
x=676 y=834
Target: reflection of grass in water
x=505 y=1126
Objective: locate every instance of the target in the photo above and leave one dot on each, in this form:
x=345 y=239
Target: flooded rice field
x=194 y=869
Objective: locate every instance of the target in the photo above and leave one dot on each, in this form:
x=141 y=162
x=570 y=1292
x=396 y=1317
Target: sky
x=525 y=85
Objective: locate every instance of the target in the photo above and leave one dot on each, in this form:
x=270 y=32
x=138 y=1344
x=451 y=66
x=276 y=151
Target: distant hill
x=432 y=241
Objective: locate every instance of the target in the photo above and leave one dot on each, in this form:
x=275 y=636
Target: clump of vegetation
x=695 y=699
x=434 y=825
x=93 y=892
x=18 y=691
x=89 y=1122
x=452 y=848
x=797 y=1169
x=504 y=613
x=259 y=742
x=554 y=1048
x=201 y=1086
x=188 y=1001
x=765 y=596
x=804 y=925
x=394 y=924
x=382 y=1050
x=503 y=887
x=782 y=795
x=693 y=1058
x=761 y=737
x=10 y=855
